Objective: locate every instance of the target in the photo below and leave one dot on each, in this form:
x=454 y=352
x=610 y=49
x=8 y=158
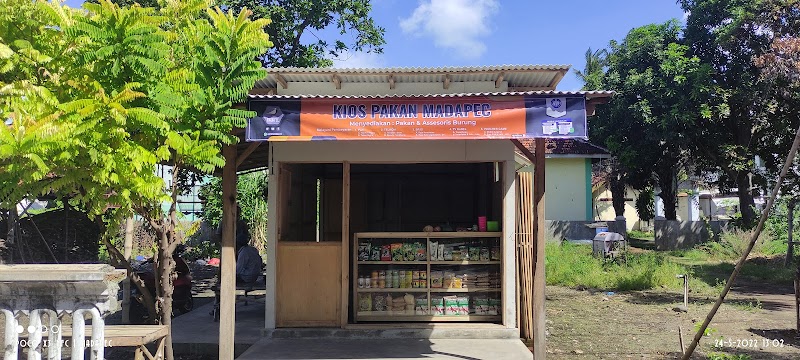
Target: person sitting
x=248 y=263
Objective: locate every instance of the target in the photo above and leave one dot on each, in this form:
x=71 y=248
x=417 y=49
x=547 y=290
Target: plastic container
x=481 y=223
x=493 y=226
x=600 y=230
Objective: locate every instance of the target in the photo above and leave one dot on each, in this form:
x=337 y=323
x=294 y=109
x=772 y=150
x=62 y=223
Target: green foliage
x=644 y=235
x=203 y=250
x=709 y=331
x=645 y=204
x=659 y=87
x=291 y=19
x=573 y=265
x=723 y=356
x=251 y=195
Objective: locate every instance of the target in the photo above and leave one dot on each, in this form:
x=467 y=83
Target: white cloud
x=459 y=25
x=358 y=59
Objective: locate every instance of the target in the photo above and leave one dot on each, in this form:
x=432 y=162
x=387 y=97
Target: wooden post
x=790 y=227
x=227 y=309
x=126 y=284
x=345 y=240
x=538 y=266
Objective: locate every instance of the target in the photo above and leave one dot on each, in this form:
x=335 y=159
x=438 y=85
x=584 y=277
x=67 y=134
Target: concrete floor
x=388 y=349
x=195 y=333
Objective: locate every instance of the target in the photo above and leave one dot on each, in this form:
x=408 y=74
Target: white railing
x=56 y=292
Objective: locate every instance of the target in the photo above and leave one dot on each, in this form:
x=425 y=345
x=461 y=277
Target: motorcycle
x=182 y=301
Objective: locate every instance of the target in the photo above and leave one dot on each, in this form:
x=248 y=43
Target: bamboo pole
x=786 y=165
x=538 y=269
x=227 y=309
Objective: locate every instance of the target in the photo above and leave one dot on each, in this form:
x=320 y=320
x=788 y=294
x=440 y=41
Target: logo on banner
x=556 y=107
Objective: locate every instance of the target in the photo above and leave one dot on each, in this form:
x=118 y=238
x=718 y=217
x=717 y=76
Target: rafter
x=499 y=80
x=281 y=80
x=446 y=81
x=391 y=81
x=337 y=80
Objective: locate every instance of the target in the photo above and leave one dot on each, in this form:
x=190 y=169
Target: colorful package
x=397 y=252
x=386 y=253
x=451 y=305
x=437 y=305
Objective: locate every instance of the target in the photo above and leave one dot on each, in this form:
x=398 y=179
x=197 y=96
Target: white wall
x=565 y=186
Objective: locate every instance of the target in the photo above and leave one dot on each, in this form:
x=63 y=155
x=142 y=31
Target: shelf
x=392 y=262
x=400 y=316
x=464 y=262
x=423 y=235
x=463 y=290
x=378 y=290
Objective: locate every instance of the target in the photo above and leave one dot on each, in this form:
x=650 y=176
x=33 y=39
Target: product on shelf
x=420 y=253
x=437 y=305
x=480 y=305
x=398 y=304
x=437 y=278
x=434 y=250
x=421 y=306
x=494 y=306
x=379 y=302
x=463 y=304
x=364 y=302
x=484 y=254
x=495 y=253
x=451 y=305
x=364 y=250
x=448 y=253
x=375 y=253
x=441 y=253
x=397 y=251
x=386 y=253
x=474 y=253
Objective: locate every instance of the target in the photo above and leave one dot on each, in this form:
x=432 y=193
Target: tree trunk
x=746 y=202
x=616 y=184
x=166 y=267
x=669 y=192
x=790 y=229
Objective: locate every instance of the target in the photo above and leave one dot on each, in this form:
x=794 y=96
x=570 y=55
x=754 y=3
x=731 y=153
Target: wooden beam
x=499 y=80
x=528 y=88
x=337 y=80
x=524 y=150
x=262 y=91
x=446 y=81
x=556 y=79
x=227 y=319
x=391 y=81
x=281 y=80
x=345 y=240
x=243 y=156
x=538 y=266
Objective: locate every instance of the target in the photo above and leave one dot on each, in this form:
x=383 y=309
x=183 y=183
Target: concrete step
x=426 y=332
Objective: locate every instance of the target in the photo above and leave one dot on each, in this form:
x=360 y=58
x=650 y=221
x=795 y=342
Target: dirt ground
x=755 y=320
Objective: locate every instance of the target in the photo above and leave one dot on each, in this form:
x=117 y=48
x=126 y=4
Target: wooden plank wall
x=525 y=233
x=309 y=284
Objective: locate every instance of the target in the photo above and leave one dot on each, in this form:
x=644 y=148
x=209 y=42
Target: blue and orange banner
x=475 y=117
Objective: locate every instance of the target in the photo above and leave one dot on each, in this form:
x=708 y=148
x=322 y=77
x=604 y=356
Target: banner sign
x=477 y=117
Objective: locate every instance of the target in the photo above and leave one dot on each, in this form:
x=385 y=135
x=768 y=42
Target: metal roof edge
x=450 y=69
x=588 y=94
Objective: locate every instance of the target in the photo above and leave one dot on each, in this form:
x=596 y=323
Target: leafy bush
x=572 y=265
x=734 y=242
x=204 y=250
x=252 y=199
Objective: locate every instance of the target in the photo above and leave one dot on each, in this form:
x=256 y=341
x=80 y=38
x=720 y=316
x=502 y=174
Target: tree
x=593 y=71
x=659 y=97
x=727 y=36
x=295 y=21
x=95 y=100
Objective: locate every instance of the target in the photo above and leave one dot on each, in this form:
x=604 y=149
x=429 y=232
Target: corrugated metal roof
x=587 y=94
x=531 y=76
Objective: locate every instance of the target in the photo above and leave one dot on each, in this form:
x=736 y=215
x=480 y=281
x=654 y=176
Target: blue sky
x=494 y=32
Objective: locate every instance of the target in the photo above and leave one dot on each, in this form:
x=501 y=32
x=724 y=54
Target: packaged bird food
x=363 y=251
x=409 y=252
x=421 y=305
x=437 y=279
x=463 y=304
x=495 y=254
x=437 y=305
x=480 y=305
x=474 y=253
x=364 y=302
x=451 y=305
x=386 y=253
x=397 y=251
x=448 y=253
x=494 y=306
x=434 y=250
x=379 y=302
x=375 y=253
x=420 y=252
x=484 y=254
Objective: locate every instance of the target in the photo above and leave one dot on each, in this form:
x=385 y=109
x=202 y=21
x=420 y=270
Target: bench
x=247 y=288
x=137 y=336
